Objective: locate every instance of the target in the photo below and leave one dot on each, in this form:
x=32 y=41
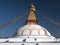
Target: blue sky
x=10 y=9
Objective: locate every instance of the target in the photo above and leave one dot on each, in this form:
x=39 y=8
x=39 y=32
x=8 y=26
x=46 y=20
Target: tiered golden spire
x=32 y=17
x=32 y=8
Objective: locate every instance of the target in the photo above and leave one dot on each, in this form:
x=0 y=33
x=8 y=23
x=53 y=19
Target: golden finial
x=32 y=7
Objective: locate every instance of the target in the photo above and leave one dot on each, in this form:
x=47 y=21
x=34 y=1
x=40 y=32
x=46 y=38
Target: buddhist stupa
x=32 y=30
x=31 y=34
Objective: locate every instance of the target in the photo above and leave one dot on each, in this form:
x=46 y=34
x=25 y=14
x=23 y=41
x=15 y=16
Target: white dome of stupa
x=33 y=30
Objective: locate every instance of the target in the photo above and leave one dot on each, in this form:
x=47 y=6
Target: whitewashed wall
x=29 y=43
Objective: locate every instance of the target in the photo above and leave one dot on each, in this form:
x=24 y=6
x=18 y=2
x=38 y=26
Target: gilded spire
x=32 y=8
x=32 y=17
